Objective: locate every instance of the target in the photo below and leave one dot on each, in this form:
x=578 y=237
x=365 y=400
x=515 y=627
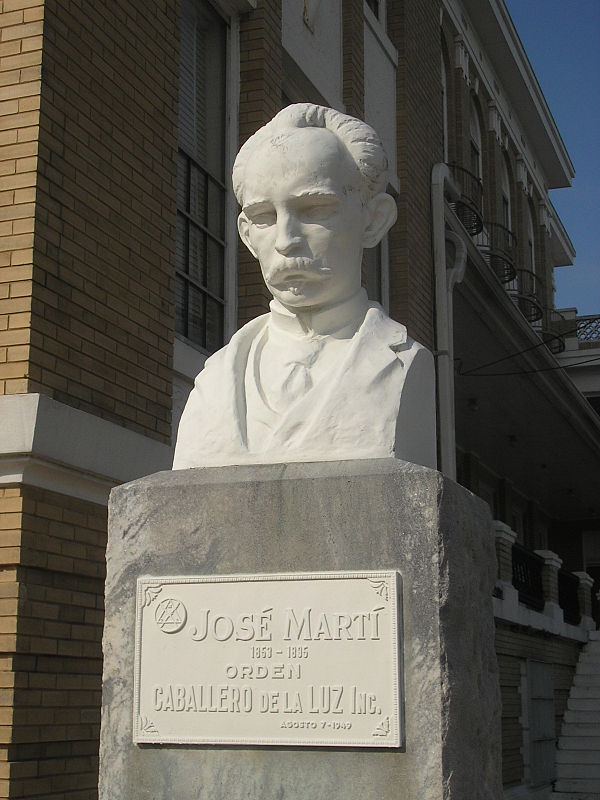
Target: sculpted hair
x=361 y=141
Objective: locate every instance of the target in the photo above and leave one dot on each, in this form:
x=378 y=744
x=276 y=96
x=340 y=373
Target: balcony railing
x=526 y=291
x=568 y=596
x=588 y=330
x=498 y=246
x=549 y=331
x=468 y=207
x=527 y=577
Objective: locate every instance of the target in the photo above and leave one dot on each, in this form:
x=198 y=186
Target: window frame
x=189 y=356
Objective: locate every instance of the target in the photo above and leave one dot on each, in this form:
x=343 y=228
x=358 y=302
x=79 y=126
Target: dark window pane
x=196 y=315
x=215 y=268
x=181 y=244
x=197 y=266
x=182 y=183
x=216 y=210
x=198 y=195
x=180 y=306
x=214 y=324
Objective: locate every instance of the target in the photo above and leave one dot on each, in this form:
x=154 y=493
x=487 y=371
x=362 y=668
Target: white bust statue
x=326 y=374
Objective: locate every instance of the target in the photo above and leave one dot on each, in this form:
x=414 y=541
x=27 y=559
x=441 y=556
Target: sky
x=562 y=40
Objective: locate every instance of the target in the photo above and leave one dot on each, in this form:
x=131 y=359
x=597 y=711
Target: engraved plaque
x=294 y=659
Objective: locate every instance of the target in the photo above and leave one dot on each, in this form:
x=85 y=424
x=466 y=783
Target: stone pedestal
x=360 y=515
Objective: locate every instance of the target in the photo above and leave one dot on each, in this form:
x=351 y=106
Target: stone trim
x=53 y=446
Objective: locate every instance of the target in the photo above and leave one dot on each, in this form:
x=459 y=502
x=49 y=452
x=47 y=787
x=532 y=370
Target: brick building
x=120 y=271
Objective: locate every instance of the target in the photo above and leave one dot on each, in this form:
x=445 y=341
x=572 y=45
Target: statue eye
x=318 y=210
x=263 y=219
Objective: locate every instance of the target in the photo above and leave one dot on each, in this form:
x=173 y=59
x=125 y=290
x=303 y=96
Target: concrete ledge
x=48 y=444
x=508 y=609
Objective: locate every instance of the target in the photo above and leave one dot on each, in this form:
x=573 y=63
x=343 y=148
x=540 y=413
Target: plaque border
x=396 y=738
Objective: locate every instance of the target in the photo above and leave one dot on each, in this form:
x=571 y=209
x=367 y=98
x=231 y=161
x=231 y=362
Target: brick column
x=584 y=595
x=260 y=99
x=21 y=27
x=87 y=255
x=353 y=57
x=552 y=563
x=413 y=28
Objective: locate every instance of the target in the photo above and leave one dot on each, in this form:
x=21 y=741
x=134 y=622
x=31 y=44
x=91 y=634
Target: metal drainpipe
x=446 y=277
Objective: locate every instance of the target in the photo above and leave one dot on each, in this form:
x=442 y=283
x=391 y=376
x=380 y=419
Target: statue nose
x=288 y=234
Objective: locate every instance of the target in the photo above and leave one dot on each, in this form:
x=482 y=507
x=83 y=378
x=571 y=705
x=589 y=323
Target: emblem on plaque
x=170 y=615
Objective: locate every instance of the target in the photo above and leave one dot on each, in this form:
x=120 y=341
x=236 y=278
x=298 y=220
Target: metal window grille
x=201 y=190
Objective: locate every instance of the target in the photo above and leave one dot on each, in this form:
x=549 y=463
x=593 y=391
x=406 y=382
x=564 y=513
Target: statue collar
x=341 y=320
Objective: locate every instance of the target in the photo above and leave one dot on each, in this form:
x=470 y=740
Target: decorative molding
x=523 y=177
x=28 y=470
x=495 y=121
x=520 y=90
x=52 y=446
x=461 y=58
x=545 y=217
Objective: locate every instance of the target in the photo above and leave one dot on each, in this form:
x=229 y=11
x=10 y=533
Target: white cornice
x=495 y=48
x=50 y=445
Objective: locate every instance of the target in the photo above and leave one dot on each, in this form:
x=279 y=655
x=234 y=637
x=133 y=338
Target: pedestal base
x=359 y=515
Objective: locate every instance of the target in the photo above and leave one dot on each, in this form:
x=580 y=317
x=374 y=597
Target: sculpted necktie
x=295 y=378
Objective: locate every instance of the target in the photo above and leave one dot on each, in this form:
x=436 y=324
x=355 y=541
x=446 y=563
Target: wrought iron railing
x=568 y=597
x=498 y=246
x=526 y=291
x=588 y=330
x=549 y=331
x=527 y=577
x=468 y=207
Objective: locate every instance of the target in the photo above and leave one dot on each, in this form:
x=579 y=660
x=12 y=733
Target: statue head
x=311 y=184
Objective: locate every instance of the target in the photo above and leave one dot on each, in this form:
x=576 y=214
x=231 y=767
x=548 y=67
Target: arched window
x=506 y=199
x=475 y=134
x=529 y=239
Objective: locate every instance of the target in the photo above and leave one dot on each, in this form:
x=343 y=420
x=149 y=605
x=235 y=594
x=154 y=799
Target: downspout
x=446 y=277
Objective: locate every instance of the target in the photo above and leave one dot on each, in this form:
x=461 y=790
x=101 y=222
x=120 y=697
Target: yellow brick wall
x=102 y=306
x=51 y=615
x=353 y=57
x=21 y=24
x=260 y=100
x=413 y=27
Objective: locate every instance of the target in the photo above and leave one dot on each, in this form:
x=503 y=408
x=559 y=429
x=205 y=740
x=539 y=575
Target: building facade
x=121 y=271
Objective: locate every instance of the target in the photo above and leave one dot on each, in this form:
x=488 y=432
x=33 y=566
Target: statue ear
x=381 y=214
x=244 y=231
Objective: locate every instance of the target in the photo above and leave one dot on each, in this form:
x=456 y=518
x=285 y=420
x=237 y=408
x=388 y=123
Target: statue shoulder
x=238 y=344
x=396 y=337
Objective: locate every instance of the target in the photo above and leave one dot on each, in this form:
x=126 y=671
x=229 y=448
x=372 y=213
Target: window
x=506 y=204
x=201 y=188
x=530 y=255
x=475 y=146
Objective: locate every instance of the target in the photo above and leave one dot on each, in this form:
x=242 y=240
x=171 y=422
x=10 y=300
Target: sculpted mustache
x=296 y=266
